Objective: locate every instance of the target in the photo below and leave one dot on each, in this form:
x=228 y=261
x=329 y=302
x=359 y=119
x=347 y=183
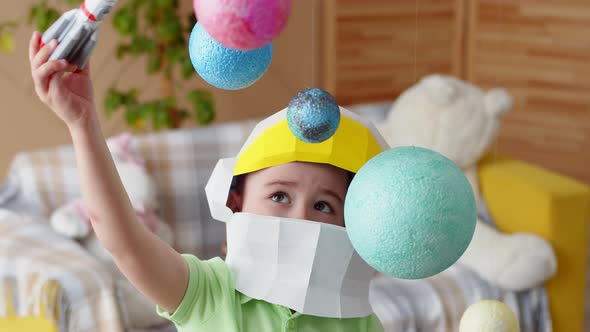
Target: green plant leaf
x=175 y=54
x=32 y=14
x=151 y=14
x=136 y=4
x=192 y=20
x=134 y=118
x=125 y=21
x=183 y=114
x=187 y=70
x=42 y=16
x=112 y=101
x=203 y=105
x=122 y=50
x=52 y=16
x=8 y=25
x=130 y=98
x=168 y=4
x=167 y=102
x=6 y=42
x=142 y=44
x=154 y=64
x=169 y=29
x=161 y=119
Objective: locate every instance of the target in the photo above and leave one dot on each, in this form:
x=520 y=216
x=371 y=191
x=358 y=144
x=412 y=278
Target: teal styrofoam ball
x=313 y=115
x=410 y=212
x=223 y=67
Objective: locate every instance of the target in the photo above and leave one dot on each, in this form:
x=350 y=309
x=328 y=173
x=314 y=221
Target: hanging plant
x=153 y=29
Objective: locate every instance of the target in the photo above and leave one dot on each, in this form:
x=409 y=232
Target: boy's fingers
x=42 y=75
x=41 y=57
x=86 y=69
x=71 y=68
x=34 y=45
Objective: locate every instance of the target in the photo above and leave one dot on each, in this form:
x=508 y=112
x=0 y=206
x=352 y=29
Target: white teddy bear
x=461 y=121
x=72 y=220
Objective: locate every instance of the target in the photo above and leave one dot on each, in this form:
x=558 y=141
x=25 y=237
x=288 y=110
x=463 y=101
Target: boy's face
x=296 y=190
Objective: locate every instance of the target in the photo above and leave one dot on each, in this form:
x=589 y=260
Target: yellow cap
x=272 y=143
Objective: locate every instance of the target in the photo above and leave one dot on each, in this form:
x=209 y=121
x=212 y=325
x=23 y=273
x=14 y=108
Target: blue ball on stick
x=223 y=67
x=410 y=212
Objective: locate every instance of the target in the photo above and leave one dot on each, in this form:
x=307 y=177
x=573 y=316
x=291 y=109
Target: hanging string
x=497 y=81
x=416 y=43
x=313 y=44
x=306 y=84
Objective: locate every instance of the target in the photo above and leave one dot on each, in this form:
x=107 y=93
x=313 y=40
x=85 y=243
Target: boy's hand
x=66 y=91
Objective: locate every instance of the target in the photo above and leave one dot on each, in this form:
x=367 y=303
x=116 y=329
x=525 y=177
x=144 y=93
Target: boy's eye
x=280 y=198
x=323 y=207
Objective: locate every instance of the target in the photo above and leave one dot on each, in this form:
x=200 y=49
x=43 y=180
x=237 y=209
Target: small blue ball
x=410 y=212
x=313 y=115
x=223 y=67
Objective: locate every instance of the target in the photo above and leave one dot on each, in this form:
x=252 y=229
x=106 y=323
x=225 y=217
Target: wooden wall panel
x=375 y=49
x=540 y=51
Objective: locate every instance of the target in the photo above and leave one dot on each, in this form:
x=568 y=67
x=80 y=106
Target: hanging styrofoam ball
x=243 y=24
x=489 y=316
x=223 y=67
x=313 y=115
x=410 y=212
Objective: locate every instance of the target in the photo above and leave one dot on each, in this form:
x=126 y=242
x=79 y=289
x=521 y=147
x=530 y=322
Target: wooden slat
x=538 y=50
x=329 y=59
x=379 y=48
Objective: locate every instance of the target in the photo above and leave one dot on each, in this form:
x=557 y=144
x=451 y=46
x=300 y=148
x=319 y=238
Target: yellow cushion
x=525 y=198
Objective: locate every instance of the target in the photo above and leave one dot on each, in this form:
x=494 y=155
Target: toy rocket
x=77 y=31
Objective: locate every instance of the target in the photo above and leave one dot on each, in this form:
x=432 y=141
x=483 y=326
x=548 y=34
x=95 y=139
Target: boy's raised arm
x=152 y=266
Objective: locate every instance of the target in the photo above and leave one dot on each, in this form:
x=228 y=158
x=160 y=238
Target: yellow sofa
x=525 y=198
x=521 y=198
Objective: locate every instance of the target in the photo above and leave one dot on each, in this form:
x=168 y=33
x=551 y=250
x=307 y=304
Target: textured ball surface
x=313 y=115
x=223 y=67
x=410 y=212
x=489 y=316
x=243 y=24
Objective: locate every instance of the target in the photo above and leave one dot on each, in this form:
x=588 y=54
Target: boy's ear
x=234 y=201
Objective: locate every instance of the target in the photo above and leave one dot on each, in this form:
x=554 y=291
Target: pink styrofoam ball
x=243 y=24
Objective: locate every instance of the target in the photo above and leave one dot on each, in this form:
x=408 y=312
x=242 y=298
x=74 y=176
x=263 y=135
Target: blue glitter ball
x=313 y=115
x=223 y=67
x=410 y=212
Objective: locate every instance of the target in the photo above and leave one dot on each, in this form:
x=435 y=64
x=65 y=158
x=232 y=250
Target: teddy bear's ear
x=441 y=90
x=124 y=139
x=498 y=101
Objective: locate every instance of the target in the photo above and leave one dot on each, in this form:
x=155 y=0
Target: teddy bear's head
x=450 y=116
x=138 y=184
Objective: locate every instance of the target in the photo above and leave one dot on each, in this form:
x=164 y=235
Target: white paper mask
x=307 y=266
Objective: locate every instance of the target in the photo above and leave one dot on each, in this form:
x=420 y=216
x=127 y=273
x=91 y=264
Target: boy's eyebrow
x=282 y=182
x=332 y=193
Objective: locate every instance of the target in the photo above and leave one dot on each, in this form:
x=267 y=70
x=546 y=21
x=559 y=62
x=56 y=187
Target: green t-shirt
x=211 y=303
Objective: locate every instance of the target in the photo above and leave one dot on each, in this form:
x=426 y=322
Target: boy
x=283 y=271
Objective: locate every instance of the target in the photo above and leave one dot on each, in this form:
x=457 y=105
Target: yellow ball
x=488 y=316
